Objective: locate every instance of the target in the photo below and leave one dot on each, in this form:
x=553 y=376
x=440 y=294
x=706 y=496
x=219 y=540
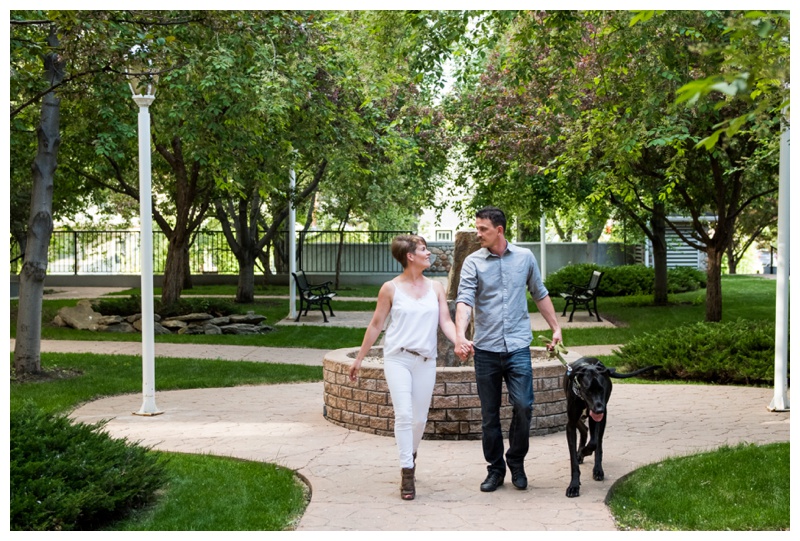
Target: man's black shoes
x=493 y=480
x=518 y=477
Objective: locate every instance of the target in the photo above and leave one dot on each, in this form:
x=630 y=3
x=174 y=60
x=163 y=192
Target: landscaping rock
x=192 y=317
x=191 y=329
x=84 y=317
x=81 y=316
x=174 y=324
x=244 y=328
x=123 y=327
x=158 y=328
x=250 y=317
x=136 y=317
x=105 y=321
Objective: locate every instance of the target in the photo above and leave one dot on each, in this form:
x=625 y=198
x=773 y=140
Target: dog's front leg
x=574 y=488
x=597 y=473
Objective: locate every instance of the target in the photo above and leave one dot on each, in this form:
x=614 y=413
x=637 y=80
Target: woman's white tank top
x=414 y=323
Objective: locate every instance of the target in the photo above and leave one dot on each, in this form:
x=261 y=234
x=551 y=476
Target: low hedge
x=738 y=352
x=624 y=280
x=128 y=306
x=73 y=476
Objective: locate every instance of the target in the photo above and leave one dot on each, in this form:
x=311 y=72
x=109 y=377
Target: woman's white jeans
x=411 y=380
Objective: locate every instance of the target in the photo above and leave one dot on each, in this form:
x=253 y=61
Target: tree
x=40 y=226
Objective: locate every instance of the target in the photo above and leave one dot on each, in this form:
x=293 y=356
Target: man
x=493 y=283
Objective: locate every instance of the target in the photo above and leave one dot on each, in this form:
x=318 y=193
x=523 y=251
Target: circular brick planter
x=455 y=414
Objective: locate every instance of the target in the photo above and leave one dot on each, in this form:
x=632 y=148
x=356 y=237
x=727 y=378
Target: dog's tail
x=612 y=372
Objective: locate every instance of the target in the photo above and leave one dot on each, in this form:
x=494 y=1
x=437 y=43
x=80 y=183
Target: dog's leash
x=559 y=350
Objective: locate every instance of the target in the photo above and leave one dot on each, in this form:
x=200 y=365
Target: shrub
x=128 y=306
x=560 y=281
x=118 y=306
x=624 y=280
x=739 y=352
x=210 y=305
x=67 y=476
x=682 y=279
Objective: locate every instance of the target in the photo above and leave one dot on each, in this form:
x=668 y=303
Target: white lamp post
x=292 y=245
x=143 y=89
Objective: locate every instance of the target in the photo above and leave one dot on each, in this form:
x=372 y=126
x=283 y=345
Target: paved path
x=354 y=476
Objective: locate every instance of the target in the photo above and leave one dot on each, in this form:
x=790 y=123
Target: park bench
x=583 y=295
x=313 y=295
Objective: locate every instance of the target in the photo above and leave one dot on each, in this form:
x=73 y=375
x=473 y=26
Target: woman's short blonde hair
x=402 y=245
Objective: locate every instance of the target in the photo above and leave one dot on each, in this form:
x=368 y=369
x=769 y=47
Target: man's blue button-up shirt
x=494 y=286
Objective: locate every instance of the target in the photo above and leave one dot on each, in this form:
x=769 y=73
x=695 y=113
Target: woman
x=417 y=306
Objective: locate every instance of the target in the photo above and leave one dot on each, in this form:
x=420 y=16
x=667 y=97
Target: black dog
x=588 y=388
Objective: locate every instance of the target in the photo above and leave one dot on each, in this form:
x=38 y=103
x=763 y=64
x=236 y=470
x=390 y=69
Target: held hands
x=463 y=348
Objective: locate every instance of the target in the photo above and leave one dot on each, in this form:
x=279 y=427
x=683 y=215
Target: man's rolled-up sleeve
x=468 y=283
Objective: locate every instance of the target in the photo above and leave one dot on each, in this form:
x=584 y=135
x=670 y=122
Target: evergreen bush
x=738 y=352
x=624 y=280
x=73 y=476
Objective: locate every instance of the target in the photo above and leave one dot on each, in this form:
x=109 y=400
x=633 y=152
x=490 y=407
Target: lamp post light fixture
x=143 y=89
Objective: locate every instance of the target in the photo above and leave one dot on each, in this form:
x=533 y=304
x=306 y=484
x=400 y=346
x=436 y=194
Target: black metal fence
x=117 y=252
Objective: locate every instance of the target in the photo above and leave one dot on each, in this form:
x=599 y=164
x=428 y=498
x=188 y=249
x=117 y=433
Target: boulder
x=244 y=328
x=174 y=324
x=105 y=321
x=158 y=328
x=81 y=316
x=192 y=329
x=192 y=317
x=250 y=317
x=218 y=321
x=211 y=329
x=122 y=326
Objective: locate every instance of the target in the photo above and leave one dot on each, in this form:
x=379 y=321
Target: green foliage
x=67 y=476
x=187 y=305
x=737 y=352
x=682 y=279
x=133 y=305
x=624 y=280
x=745 y=487
x=118 y=306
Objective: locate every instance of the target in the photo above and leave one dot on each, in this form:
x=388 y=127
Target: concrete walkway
x=354 y=477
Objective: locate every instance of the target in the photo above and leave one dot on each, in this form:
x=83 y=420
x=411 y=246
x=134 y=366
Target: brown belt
x=415 y=353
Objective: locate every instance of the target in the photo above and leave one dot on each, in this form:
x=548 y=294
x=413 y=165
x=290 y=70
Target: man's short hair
x=402 y=245
x=494 y=215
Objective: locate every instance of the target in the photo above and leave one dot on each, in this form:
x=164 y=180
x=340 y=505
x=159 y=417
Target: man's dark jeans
x=491 y=369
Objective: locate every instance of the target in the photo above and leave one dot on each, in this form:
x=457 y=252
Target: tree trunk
x=27 y=349
x=245 y=289
x=174 y=269
x=733 y=261
x=340 y=249
x=187 y=270
x=714 y=287
x=659 y=239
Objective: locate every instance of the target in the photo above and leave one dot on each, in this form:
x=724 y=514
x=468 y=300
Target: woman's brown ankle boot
x=407 y=489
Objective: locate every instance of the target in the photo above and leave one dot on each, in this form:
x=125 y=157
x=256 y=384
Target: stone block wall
x=366 y=405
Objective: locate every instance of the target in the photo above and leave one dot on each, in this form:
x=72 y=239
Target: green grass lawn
x=733 y=488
